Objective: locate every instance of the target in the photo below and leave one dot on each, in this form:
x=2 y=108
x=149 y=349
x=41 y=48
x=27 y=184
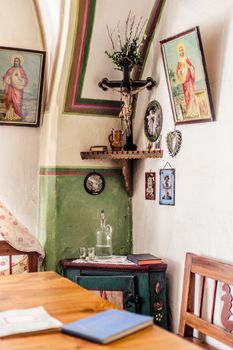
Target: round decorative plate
x=94 y=183
x=153 y=121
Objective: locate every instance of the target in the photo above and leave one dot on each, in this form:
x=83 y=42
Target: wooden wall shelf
x=126 y=158
x=158 y=153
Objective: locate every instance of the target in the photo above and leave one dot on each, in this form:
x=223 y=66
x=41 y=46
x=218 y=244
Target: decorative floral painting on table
x=113 y=296
x=187 y=78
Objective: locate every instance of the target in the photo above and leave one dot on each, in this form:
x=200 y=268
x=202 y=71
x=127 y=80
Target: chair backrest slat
x=214 y=301
x=10 y=264
x=219 y=272
x=202 y=285
x=7 y=250
x=211 y=330
x=211 y=269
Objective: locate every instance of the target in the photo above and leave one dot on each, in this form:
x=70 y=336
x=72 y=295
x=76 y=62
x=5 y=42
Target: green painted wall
x=69 y=216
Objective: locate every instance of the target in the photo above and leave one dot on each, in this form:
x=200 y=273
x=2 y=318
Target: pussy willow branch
x=142 y=28
x=110 y=36
x=118 y=35
x=126 y=25
x=135 y=35
x=131 y=29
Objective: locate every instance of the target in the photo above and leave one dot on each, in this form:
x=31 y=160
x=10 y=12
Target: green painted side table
x=143 y=288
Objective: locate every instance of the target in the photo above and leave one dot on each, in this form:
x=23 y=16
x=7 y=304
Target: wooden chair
x=221 y=274
x=6 y=250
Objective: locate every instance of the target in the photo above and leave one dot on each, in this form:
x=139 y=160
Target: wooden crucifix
x=127 y=88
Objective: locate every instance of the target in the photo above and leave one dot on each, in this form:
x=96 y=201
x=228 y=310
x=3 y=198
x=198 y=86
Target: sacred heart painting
x=21 y=84
x=187 y=78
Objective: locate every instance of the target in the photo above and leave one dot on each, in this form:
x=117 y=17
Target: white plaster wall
x=64 y=136
x=20 y=145
x=202 y=219
x=50 y=16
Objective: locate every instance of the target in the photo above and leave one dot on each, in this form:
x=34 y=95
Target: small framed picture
x=187 y=79
x=167 y=187
x=150 y=185
x=153 y=121
x=94 y=183
x=21 y=75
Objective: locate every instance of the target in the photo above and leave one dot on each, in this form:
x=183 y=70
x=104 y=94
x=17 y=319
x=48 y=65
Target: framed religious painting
x=21 y=87
x=150 y=183
x=187 y=79
x=167 y=187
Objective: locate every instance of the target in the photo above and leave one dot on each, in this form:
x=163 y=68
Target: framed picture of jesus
x=187 y=79
x=21 y=86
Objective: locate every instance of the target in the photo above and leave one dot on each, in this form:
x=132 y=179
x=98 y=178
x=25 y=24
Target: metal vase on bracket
x=174 y=140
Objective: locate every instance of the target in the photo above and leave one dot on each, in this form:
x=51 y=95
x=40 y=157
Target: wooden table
x=68 y=302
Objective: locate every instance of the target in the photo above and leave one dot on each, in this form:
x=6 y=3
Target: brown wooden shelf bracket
x=126 y=158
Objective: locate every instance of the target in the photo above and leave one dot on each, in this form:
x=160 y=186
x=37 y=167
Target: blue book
x=107 y=326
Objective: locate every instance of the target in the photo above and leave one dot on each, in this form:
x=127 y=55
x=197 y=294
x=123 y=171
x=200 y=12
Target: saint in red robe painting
x=14 y=82
x=185 y=73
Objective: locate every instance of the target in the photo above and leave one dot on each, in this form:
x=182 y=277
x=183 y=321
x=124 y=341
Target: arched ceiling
x=90 y=64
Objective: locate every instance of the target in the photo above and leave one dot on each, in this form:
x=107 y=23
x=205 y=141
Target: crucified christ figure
x=127 y=88
x=127 y=101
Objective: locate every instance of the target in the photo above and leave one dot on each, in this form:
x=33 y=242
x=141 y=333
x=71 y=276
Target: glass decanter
x=103 y=239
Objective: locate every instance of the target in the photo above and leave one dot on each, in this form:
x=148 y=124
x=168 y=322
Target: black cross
x=129 y=85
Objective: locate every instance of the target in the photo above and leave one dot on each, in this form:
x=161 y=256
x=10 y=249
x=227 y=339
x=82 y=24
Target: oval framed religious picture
x=153 y=121
x=94 y=183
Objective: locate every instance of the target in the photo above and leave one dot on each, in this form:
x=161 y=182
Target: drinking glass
x=82 y=253
x=91 y=253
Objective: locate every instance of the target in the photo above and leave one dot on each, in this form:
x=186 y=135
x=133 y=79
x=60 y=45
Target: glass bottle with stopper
x=103 y=239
